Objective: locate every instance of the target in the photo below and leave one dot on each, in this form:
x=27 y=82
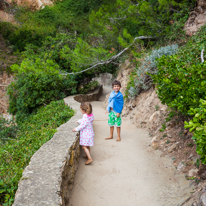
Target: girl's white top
x=86 y=130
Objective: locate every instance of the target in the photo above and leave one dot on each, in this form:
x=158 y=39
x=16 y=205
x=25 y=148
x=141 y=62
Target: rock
x=197 y=18
x=202 y=174
x=180 y=167
x=155 y=116
x=203 y=199
x=155 y=138
x=170 y=149
x=192 y=172
x=155 y=145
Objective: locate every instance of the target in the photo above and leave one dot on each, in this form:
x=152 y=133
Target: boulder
x=197 y=18
x=203 y=199
x=192 y=173
x=170 y=149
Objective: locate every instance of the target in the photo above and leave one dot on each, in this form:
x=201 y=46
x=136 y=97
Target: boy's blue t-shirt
x=116 y=102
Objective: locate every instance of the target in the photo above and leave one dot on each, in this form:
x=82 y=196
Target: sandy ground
x=126 y=173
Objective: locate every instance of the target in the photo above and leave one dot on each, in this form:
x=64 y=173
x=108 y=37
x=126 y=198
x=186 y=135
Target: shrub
x=89 y=87
x=181 y=78
x=38 y=83
x=142 y=80
x=198 y=126
x=33 y=133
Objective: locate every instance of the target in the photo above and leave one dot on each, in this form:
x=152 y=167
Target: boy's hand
x=118 y=114
x=106 y=112
x=74 y=130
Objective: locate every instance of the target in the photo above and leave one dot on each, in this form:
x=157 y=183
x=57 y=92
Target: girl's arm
x=83 y=124
x=79 y=121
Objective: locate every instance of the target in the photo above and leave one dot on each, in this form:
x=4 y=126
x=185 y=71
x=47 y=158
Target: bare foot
x=85 y=157
x=118 y=139
x=108 y=138
x=88 y=161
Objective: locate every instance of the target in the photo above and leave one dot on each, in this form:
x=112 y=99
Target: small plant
x=197 y=163
x=190 y=145
x=163 y=128
x=167 y=142
x=191 y=178
x=157 y=107
x=164 y=135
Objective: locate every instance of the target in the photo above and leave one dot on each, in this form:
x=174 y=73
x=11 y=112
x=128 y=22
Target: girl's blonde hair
x=87 y=107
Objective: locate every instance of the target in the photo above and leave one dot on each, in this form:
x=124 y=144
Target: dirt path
x=126 y=173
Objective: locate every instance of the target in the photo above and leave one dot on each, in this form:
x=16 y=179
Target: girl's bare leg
x=118 y=134
x=111 y=133
x=88 y=155
x=85 y=157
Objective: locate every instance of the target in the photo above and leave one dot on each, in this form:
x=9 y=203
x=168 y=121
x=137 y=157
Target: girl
x=86 y=130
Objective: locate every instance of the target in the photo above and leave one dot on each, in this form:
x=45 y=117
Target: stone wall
x=49 y=177
x=90 y=97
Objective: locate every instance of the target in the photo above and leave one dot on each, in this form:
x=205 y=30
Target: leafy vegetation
x=33 y=132
x=8 y=129
x=181 y=78
x=38 y=83
x=142 y=80
x=198 y=126
x=180 y=81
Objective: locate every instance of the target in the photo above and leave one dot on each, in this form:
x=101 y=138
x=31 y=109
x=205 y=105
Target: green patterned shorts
x=114 y=120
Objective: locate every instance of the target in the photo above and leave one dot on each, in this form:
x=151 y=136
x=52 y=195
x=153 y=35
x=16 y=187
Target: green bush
x=198 y=126
x=33 y=133
x=89 y=87
x=180 y=78
x=38 y=83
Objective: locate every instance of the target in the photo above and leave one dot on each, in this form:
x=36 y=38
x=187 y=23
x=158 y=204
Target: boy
x=114 y=107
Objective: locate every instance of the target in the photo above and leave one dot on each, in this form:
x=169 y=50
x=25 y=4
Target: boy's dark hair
x=116 y=82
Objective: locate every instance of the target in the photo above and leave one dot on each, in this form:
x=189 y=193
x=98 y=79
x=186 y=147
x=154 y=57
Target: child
x=114 y=107
x=86 y=130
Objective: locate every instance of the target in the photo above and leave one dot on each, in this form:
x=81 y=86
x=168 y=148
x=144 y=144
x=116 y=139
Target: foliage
x=8 y=129
x=38 y=83
x=68 y=16
x=33 y=133
x=181 y=78
x=198 y=126
x=89 y=87
x=142 y=80
x=140 y=18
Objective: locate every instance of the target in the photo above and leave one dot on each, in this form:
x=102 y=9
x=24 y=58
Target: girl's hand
x=118 y=114
x=74 y=130
x=77 y=122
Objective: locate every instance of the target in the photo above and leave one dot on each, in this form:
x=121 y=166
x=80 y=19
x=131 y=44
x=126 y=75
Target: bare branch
x=171 y=9
x=202 y=56
x=112 y=58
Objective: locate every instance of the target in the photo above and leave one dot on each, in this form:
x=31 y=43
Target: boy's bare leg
x=111 y=133
x=118 y=134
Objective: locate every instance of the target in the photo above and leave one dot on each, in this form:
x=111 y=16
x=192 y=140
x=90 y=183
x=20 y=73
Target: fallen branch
x=202 y=56
x=111 y=59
